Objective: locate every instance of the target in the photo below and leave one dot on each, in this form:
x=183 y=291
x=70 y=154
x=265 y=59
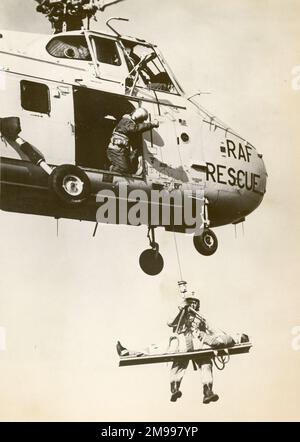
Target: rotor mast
x=69 y=15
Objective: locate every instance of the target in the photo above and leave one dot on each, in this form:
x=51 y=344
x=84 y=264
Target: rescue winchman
x=191 y=332
x=122 y=151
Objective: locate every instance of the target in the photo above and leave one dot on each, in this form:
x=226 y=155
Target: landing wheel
x=206 y=243
x=151 y=262
x=71 y=184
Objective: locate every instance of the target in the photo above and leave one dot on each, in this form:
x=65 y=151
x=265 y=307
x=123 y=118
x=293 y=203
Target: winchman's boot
x=209 y=395
x=176 y=393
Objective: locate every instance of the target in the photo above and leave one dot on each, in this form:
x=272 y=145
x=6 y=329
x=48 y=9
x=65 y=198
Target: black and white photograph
x=150 y=207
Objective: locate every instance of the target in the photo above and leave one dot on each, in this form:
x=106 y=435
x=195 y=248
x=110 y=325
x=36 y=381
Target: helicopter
x=61 y=96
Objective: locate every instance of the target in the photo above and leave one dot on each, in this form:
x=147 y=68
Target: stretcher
x=205 y=354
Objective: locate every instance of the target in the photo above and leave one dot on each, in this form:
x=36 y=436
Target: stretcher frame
x=208 y=353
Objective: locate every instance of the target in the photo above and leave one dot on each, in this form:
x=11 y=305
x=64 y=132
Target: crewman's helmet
x=140 y=114
x=192 y=299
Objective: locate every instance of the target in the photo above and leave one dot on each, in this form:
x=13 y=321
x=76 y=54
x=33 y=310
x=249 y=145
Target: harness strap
x=119 y=134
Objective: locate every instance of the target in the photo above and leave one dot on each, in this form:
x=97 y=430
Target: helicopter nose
x=251 y=199
x=233 y=203
x=261 y=179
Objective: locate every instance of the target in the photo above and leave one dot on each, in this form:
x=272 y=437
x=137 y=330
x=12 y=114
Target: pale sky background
x=65 y=301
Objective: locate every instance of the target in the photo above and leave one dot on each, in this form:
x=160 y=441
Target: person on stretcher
x=191 y=332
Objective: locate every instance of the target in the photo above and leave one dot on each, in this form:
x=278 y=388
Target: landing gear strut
x=151 y=261
x=206 y=242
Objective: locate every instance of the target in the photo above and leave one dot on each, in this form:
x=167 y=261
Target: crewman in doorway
x=122 y=151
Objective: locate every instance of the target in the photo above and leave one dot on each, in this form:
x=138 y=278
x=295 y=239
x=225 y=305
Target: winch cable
x=95 y=229
x=220 y=361
x=178 y=257
x=181 y=279
x=57 y=227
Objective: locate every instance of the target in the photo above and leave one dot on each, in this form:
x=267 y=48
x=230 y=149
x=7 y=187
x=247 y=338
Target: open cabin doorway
x=96 y=115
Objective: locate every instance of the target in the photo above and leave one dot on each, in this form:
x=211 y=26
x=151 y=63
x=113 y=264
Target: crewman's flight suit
x=122 y=152
x=189 y=334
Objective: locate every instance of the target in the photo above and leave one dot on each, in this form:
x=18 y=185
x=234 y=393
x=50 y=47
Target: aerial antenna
x=69 y=15
x=198 y=93
x=110 y=26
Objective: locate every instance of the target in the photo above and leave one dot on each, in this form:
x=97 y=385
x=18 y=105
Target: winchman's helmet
x=140 y=114
x=192 y=299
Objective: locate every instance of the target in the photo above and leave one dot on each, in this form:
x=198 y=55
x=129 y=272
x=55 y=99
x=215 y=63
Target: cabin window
x=35 y=97
x=72 y=47
x=106 y=51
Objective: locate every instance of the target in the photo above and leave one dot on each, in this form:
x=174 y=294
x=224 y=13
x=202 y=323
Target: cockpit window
x=151 y=70
x=106 y=51
x=72 y=47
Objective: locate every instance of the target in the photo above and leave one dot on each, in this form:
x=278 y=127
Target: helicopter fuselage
x=69 y=91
